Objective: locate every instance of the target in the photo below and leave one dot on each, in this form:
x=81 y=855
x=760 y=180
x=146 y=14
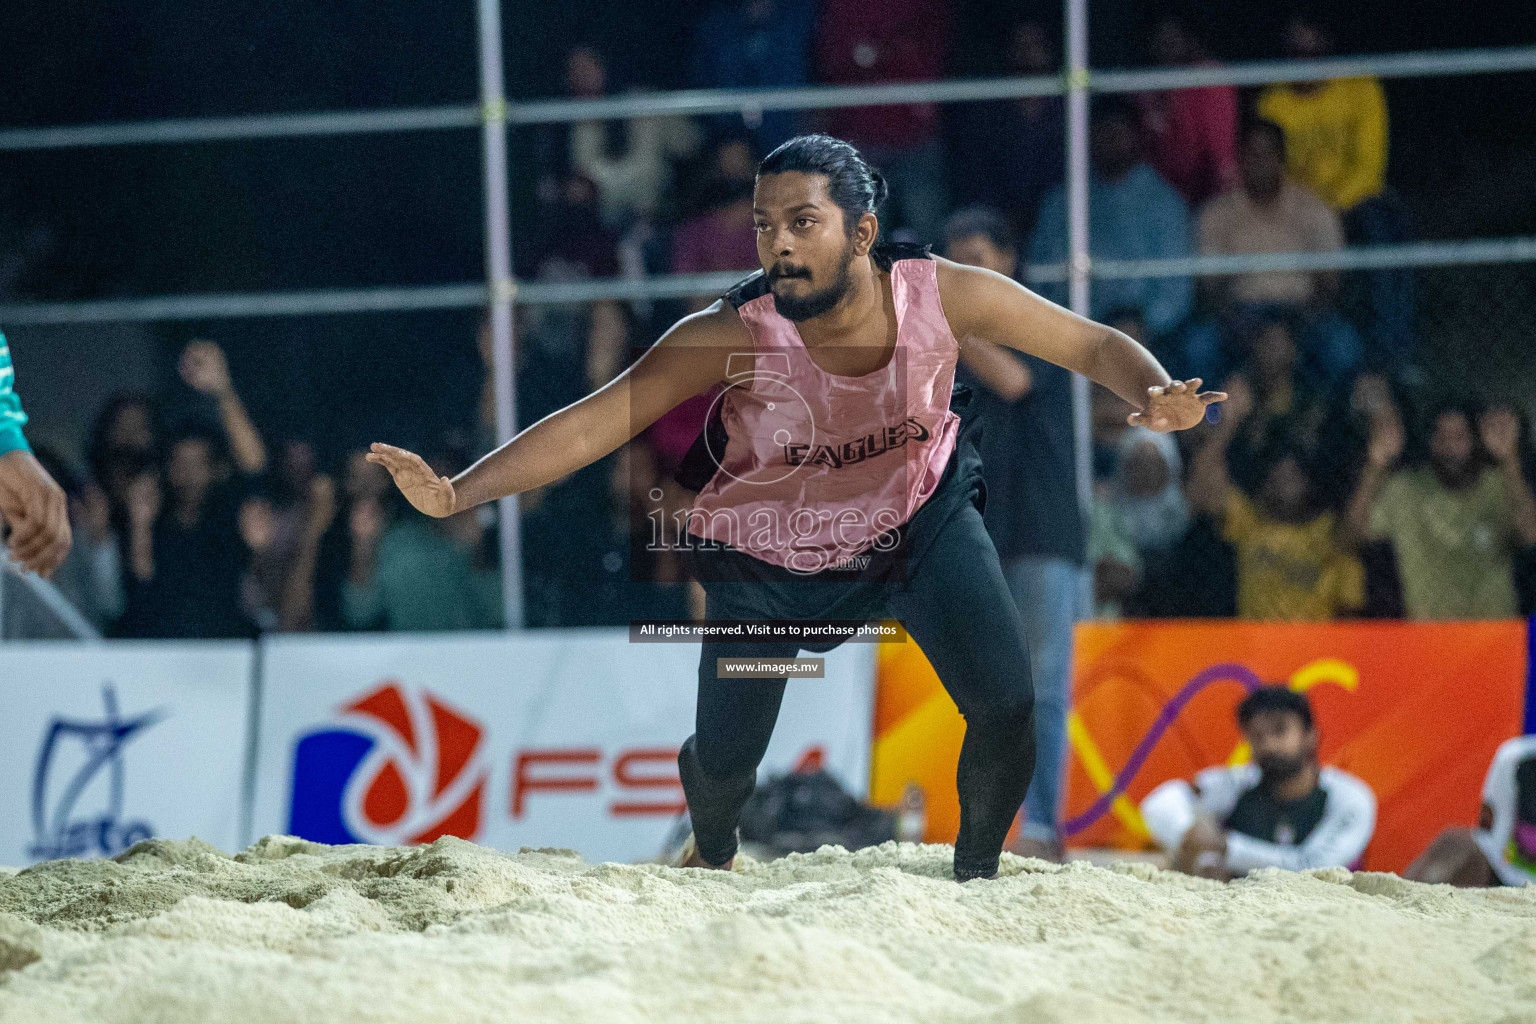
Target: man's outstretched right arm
x=690 y=358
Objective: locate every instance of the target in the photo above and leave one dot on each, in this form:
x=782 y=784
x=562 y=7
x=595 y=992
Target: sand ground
x=292 y=931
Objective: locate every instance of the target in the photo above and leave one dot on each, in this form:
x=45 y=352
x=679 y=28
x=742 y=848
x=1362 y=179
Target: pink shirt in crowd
x=1192 y=138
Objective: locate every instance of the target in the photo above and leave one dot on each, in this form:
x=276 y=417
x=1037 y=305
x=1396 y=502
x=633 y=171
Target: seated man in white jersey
x=1501 y=850
x=839 y=481
x=1281 y=810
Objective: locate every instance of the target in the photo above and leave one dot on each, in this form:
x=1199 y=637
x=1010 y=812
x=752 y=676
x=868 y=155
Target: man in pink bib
x=837 y=475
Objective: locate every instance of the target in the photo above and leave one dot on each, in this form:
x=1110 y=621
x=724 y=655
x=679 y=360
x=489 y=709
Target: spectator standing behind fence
x=755 y=44
x=1032 y=516
x=1138 y=517
x=278 y=590
x=721 y=234
x=1009 y=153
x=629 y=160
x=1455 y=522
x=1132 y=214
x=1293 y=559
x=421 y=575
x=863 y=43
x=1191 y=133
x=185 y=556
x=1270 y=213
x=1286 y=404
x=1336 y=145
x=124 y=441
x=364 y=501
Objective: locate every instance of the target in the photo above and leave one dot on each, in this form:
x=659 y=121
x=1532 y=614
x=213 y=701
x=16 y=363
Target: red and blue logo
x=397 y=767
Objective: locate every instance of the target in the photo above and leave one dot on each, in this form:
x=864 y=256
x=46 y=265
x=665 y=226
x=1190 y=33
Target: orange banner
x=1414 y=709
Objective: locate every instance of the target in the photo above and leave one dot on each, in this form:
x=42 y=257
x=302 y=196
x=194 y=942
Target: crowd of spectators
x=1336 y=483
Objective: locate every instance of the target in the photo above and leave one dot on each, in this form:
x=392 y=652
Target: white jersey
x=1338 y=840
x=1500 y=796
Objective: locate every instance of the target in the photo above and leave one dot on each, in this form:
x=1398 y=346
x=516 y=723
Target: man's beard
x=1277 y=769
x=818 y=302
x=1455 y=476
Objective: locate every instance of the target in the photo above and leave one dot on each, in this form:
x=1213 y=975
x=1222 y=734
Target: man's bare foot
x=692 y=859
x=696 y=861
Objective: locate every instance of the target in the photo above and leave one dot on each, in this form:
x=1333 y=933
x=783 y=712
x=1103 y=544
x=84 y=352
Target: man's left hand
x=36 y=510
x=1177 y=405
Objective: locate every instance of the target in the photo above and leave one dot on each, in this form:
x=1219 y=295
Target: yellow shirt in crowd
x=1335 y=137
x=1292 y=572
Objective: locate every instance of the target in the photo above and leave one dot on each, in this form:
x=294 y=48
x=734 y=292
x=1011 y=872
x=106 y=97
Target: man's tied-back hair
x=855 y=186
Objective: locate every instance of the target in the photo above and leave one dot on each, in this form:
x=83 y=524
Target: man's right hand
x=425 y=490
x=37 y=512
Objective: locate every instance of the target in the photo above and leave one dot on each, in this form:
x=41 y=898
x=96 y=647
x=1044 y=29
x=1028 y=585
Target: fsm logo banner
x=103 y=746
x=399 y=766
x=562 y=738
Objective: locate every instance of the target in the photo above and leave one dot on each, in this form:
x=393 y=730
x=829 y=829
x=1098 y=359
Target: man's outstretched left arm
x=982 y=304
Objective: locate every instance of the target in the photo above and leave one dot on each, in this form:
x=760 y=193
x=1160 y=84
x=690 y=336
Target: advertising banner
x=563 y=738
x=102 y=745
x=1416 y=710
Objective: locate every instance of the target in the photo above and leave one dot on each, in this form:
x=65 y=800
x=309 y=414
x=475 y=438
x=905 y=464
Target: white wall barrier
x=102 y=745
x=564 y=738
x=555 y=738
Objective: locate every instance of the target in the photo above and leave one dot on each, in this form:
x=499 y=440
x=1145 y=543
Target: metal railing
x=726 y=101
x=493 y=113
x=45 y=594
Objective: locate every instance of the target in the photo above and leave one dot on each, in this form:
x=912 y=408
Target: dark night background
x=406 y=209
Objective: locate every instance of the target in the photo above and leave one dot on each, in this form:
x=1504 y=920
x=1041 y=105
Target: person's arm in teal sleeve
x=32 y=505
x=12 y=419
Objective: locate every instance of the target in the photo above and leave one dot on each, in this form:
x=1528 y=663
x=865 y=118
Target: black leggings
x=956 y=605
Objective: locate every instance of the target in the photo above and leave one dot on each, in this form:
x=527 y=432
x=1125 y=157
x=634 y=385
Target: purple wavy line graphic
x=1165 y=718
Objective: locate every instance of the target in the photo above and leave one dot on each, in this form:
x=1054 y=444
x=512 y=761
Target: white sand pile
x=294 y=931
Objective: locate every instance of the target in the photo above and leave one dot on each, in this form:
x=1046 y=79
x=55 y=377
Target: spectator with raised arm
x=1293 y=562
x=186 y=557
x=1455 y=521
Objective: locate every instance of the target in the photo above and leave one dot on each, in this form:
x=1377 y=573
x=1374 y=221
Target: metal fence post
x=1078 y=266
x=498 y=268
